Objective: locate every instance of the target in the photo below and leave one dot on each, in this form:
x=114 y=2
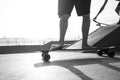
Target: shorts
x=66 y=6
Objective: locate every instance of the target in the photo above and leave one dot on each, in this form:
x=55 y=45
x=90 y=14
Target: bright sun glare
x=39 y=19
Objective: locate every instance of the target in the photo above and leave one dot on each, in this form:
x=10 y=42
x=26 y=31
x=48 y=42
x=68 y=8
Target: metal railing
x=19 y=41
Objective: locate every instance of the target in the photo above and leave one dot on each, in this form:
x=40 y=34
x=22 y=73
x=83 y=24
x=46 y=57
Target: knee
x=65 y=16
x=86 y=16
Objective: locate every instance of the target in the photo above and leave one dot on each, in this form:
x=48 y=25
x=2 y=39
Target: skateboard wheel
x=46 y=57
x=111 y=54
x=44 y=52
x=99 y=52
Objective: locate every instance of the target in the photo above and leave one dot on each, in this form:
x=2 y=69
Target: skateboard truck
x=109 y=51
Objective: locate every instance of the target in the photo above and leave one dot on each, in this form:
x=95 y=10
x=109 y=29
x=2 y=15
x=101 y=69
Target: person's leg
x=65 y=8
x=63 y=27
x=85 y=30
x=83 y=9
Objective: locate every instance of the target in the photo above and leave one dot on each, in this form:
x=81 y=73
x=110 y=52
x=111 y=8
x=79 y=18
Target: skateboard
x=109 y=51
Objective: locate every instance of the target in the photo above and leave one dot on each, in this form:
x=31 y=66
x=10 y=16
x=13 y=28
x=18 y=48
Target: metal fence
x=19 y=41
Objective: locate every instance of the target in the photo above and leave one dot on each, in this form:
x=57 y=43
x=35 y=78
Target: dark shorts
x=66 y=7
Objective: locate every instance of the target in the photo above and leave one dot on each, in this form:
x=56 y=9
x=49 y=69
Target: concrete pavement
x=62 y=66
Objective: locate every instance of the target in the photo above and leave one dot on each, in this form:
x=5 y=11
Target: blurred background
x=36 y=21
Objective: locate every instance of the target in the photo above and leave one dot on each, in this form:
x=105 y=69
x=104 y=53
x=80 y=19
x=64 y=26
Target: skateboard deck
x=100 y=51
x=57 y=48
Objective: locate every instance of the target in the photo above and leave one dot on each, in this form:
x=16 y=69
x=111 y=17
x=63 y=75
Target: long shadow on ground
x=69 y=64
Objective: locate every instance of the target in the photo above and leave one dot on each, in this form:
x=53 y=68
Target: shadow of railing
x=69 y=64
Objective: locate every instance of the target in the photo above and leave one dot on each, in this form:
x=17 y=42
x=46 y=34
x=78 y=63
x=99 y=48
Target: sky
x=38 y=18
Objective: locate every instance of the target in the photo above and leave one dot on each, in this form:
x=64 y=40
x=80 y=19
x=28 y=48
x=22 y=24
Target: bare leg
x=85 y=30
x=63 y=27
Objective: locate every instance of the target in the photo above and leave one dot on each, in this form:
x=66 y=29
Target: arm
x=102 y=8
